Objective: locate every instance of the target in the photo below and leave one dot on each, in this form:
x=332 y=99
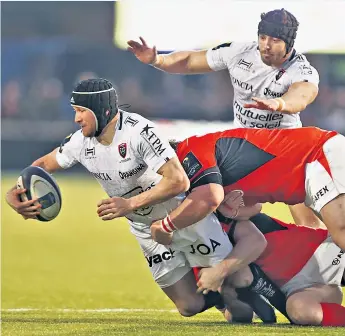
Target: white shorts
x=325 y=267
x=320 y=186
x=200 y=245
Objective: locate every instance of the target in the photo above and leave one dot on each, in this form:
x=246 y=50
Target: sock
x=333 y=315
x=261 y=308
x=213 y=299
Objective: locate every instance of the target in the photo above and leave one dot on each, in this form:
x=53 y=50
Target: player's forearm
x=181 y=62
x=48 y=162
x=163 y=191
x=191 y=211
x=246 y=250
x=298 y=98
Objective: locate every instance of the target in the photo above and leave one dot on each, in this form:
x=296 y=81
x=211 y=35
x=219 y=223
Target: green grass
x=79 y=262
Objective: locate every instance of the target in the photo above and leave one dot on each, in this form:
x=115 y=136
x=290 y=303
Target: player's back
x=268 y=165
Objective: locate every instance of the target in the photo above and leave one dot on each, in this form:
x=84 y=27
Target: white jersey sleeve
x=152 y=146
x=69 y=151
x=304 y=72
x=220 y=57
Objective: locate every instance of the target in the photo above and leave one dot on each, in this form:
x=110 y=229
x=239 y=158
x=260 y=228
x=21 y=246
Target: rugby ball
x=41 y=185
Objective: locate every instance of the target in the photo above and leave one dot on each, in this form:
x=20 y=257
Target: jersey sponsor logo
x=323 y=191
x=131 y=121
x=223 y=45
x=123 y=150
x=268 y=92
x=132 y=172
x=336 y=261
x=191 y=165
x=306 y=70
x=90 y=153
x=244 y=65
x=63 y=143
x=242 y=85
x=145 y=211
x=252 y=119
x=102 y=176
x=152 y=139
x=158 y=258
x=204 y=249
x=263 y=288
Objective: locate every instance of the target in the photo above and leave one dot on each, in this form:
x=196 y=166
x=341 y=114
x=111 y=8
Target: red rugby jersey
x=267 y=165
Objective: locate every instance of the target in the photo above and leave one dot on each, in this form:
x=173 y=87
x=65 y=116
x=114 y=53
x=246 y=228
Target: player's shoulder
x=236 y=47
x=300 y=63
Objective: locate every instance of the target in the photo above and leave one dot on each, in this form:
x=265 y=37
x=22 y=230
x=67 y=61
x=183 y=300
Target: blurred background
x=48 y=46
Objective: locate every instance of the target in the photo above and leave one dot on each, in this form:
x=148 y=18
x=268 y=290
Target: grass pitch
x=78 y=275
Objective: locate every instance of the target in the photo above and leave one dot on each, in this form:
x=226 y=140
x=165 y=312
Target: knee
x=304 y=313
x=190 y=307
x=242 y=278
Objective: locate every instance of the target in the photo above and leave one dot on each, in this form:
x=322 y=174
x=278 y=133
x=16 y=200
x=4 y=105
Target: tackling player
x=272 y=82
x=304 y=263
x=142 y=176
x=282 y=165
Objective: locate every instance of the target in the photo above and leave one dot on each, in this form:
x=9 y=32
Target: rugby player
x=304 y=263
x=272 y=82
x=281 y=165
x=142 y=176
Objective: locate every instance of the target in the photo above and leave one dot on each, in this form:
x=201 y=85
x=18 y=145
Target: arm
x=299 y=96
x=202 y=201
x=296 y=99
x=29 y=209
x=48 y=162
x=183 y=62
x=250 y=243
x=173 y=183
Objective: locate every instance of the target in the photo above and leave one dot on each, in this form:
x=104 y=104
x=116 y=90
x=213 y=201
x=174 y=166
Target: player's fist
x=160 y=236
x=142 y=51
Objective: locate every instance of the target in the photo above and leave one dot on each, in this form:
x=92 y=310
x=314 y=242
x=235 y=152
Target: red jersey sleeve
x=198 y=159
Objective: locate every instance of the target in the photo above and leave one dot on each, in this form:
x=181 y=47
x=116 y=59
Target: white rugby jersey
x=251 y=77
x=128 y=166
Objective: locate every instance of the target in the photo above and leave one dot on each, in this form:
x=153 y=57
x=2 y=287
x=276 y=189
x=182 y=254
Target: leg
x=303 y=215
x=183 y=294
x=317 y=305
x=333 y=215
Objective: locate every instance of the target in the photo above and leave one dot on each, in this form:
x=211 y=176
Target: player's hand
x=113 y=208
x=160 y=236
x=210 y=279
x=263 y=104
x=231 y=204
x=142 y=51
x=28 y=209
